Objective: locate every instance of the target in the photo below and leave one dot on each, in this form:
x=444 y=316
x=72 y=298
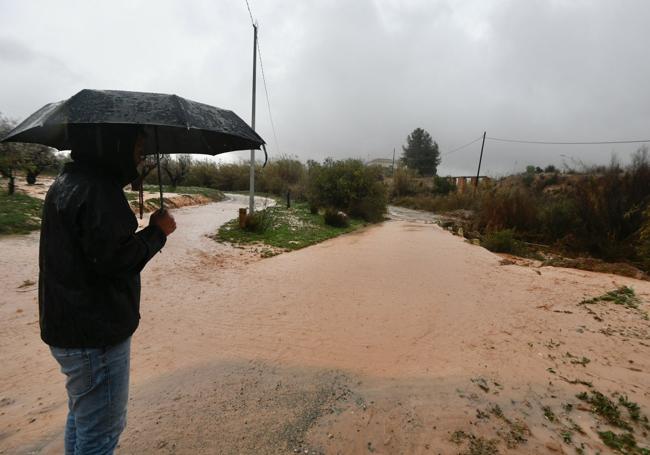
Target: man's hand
x=164 y=220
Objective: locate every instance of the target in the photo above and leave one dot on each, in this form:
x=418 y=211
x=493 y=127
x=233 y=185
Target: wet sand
x=387 y=340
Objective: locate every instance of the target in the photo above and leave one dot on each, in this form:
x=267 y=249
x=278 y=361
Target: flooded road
x=387 y=340
x=403 y=214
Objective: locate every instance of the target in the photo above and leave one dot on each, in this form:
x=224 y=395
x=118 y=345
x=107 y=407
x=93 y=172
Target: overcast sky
x=352 y=78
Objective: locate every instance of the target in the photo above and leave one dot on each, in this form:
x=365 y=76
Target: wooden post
x=242 y=218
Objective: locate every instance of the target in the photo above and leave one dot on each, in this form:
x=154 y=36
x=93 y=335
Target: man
x=89 y=281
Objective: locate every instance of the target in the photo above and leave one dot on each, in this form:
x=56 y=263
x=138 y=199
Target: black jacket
x=90 y=260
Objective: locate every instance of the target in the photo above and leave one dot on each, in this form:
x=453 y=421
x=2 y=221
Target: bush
x=260 y=221
x=349 y=186
x=282 y=175
x=442 y=185
x=558 y=218
x=403 y=183
x=336 y=218
x=233 y=177
x=204 y=174
x=502 y=241
x=508 y=207
x=642 y=248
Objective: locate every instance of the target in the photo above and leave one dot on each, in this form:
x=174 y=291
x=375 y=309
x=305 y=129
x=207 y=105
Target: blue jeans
x=97 y=381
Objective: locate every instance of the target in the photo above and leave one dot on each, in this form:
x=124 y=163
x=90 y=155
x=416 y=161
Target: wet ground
x=399 y=338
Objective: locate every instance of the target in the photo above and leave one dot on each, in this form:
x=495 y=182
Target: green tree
x=421 y=153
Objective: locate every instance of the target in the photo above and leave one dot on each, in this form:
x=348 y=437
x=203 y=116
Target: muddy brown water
x=387 y=340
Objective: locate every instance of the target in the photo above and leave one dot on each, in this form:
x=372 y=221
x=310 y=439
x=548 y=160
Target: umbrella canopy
x=180 y=125
x=171 y=124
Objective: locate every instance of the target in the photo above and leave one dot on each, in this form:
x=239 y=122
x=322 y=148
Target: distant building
x=386 y=163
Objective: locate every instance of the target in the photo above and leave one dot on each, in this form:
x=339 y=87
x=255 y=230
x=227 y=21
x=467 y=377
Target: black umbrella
x=173 y=124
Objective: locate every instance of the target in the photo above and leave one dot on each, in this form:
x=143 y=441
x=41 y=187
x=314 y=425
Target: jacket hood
x=106 y=148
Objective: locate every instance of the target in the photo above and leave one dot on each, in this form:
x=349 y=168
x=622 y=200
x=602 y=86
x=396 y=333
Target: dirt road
x=400 y=338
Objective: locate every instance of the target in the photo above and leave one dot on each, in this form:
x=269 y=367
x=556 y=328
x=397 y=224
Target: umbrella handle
x=162 y=204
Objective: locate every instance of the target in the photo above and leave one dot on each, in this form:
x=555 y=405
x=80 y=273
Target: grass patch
x=633 y=409
x=623 y=443
x=289 y=228
x=549 y=414
x=477 y=445
x=577 y=360
x=624 y=296
x=605 y=408
x=504 y=241
x=19 y=213
x=501 y=242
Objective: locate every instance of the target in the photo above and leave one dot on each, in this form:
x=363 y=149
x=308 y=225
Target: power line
x=462 y=146
x=250 y=13
x=266 y=88
x=522 y=141
x=268 y=101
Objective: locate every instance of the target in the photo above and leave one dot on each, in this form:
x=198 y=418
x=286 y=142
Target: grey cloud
x=354 y=78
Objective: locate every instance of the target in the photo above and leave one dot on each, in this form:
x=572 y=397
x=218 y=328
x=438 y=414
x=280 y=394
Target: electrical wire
x=522 y=141
x=268 y=101
x=462 y=146
x=266 y=88
x=250 y=13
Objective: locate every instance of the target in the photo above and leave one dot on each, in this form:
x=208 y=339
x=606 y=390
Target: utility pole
x=393 y=173
x=251 y=202
x=478 y=173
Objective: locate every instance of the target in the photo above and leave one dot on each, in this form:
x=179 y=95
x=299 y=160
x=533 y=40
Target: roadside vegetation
x=601 y=212
x=20 y=213
x=328 y=199
x=30 y=160
x=279 y=228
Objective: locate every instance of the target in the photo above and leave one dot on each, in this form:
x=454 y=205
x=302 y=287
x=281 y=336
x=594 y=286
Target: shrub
x=558 y=218
x=642 y=248
x=259 y=221
x=502 y=241
x=347 y=185
x=404 y=183
x=508 y=207
x=336 y=218
x=203 y=174
x=233 y=177
x=282 y=175
x=442 y=185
